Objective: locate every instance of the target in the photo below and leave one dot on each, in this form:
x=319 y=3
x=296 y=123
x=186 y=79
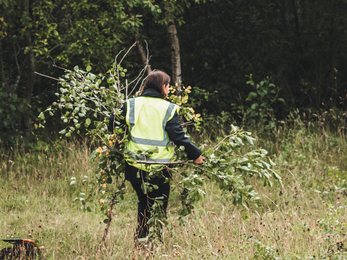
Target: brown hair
x=156 y=80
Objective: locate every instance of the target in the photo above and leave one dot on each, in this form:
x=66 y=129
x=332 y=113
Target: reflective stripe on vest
x=138 y=157
x=147 y=118
x=148 y=141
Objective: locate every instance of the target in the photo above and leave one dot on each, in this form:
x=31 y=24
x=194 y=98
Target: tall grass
x=303 y=219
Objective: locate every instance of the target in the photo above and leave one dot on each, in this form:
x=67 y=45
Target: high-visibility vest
x=146 y=118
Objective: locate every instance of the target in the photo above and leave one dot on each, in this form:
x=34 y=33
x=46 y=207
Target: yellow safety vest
x=146 y=118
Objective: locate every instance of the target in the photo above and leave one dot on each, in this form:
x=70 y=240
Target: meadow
x=303 y=219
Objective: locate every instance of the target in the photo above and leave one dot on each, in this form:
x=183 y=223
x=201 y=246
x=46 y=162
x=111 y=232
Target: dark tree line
x=298 y=43
x=208 y=44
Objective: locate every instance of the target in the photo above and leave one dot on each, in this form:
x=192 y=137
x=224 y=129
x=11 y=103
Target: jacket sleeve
x=111 y=122
x=178 y=136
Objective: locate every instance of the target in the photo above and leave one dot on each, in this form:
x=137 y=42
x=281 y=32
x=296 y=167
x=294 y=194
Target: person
x=153 y=125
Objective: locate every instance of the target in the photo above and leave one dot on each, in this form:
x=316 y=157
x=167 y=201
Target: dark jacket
x=175 y=133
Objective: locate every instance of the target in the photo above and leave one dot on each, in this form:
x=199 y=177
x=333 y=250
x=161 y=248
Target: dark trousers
x=145 y=206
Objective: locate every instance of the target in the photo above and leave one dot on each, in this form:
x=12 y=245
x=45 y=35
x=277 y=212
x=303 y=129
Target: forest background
x=209 y=45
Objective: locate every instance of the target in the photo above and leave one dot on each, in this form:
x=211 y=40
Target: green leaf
x=254 y=106
x=271 y=162
x=250 y=139
x=244 y=168
x=144 y=188
x=276 y=176
x=89 y=68
x=41 y=116
x=93 y=155
x=251 y=95
x=142 y=240
x=245 y=216
x=87 y=123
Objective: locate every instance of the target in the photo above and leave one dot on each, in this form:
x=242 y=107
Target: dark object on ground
x=22 y=249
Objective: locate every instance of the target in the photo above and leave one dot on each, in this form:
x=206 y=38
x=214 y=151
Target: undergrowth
x=303 y=219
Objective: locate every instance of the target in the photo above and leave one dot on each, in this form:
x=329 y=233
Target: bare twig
x=60 y=67
x=147 y=61
x=17 y=64
x=116 y=68
x=214 y=148
x=126 y=89
x=187 y=124
x=115 y=59
x=142 y=72
x=113 y=202
x=132 y=46
x=43 y=75
x=117 y=82
x=138 y=78
x=56 y=46
x=143 y=54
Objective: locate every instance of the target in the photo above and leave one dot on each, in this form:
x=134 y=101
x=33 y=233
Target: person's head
x=159 y=81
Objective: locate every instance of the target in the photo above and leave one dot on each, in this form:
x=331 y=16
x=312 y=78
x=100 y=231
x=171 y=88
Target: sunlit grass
x=303 y=219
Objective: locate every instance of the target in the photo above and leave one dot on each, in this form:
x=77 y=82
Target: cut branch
x=163 y=163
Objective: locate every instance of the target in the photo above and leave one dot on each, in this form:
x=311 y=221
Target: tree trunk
x=297 y=24
x=282 y=10
x=3 y=77
x=175 y=50
x=30 y=81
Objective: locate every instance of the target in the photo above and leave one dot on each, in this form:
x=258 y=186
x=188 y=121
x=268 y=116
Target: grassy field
x=304 y=219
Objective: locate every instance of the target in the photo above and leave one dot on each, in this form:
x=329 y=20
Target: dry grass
x=294 y=221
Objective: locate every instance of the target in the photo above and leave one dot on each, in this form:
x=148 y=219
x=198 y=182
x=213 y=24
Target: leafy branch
x=87 y=100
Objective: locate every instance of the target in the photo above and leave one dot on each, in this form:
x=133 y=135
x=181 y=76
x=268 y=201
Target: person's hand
x=199 y=160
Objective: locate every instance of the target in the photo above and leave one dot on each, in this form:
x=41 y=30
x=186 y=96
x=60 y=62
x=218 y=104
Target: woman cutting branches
x=146 y=133
x=154 y=127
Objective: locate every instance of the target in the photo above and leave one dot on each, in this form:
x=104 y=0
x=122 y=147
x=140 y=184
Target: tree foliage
x=299 y=44
x=55 y=33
